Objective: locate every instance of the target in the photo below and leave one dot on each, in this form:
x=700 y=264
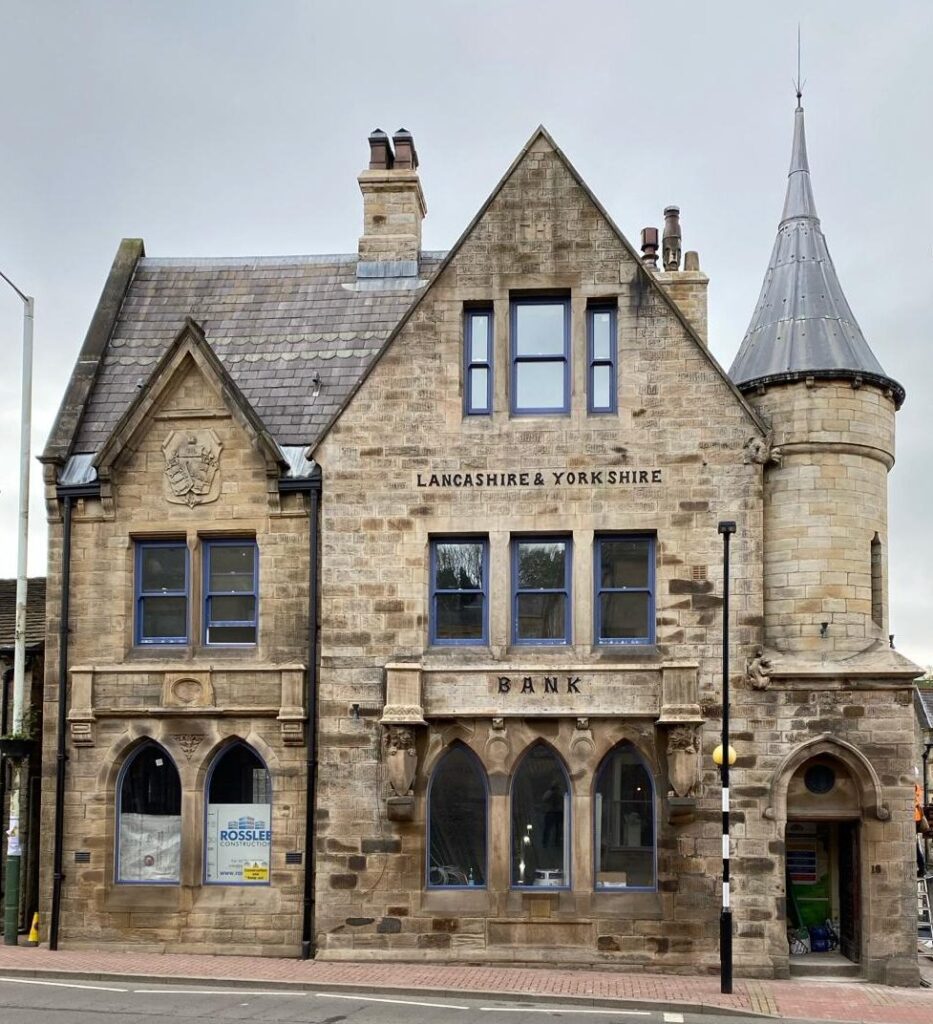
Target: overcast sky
x=227 y=128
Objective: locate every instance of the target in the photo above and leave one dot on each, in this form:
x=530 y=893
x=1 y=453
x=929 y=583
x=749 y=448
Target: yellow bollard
x=33 y=939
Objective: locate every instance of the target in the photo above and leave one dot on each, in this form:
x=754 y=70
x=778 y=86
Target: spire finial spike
x=798 y=84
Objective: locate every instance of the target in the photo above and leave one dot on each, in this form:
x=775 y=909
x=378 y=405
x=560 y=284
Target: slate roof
x=923 y=701
x=802 y=323
x=35 y=613
x=276 y=323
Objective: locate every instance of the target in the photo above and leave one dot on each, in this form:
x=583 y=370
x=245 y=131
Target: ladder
x=924 y=919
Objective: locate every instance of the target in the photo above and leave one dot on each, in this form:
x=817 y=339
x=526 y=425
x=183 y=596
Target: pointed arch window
x=624 y=820
x=148 y=818
x=541 y=821
x=457 y=821
x=238 y=836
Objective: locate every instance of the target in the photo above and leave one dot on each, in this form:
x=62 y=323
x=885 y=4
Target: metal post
x=725 y=917
x=11 y=894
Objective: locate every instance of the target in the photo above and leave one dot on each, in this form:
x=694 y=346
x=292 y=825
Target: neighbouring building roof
x=294 y=333
x=923 y=702
x=802 y=324
x=35 y=613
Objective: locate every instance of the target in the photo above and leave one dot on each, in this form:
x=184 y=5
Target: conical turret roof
x=802 y=325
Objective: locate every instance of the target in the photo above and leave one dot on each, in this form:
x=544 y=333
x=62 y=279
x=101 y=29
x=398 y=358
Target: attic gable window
x=601 y=357
x=540 y=353
x=162 y=592
x=477 y=345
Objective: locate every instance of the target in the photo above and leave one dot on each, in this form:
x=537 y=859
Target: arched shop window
x=149 y=818
x=238 y=836
x=457 y=821
x=623 y=816
x=541 y=821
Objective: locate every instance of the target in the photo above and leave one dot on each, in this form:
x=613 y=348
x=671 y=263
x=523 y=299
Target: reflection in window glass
x=478 y=361
x=457 y=816
x=540 y=821
x=541 y=589
x=601 y=338
x=624 y=821
x=625 y=590
x=458 y=591
x=149 y=832
x=231 y=592
x=539 y=329
x=162 y=592
x=239 y=819
x=540 y=356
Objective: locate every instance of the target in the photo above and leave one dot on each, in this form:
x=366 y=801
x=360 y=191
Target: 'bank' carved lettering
x=549 y=683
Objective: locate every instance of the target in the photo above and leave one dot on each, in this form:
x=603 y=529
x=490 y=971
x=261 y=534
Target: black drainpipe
x=313 y=488
x=68 y=495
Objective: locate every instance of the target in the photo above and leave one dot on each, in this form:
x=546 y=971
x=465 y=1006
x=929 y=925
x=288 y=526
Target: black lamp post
x=726 y=529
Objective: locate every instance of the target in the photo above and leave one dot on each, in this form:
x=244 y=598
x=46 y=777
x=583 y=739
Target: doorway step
x=825 y=967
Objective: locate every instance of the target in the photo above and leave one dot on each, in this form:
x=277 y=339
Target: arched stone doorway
x=830 y=800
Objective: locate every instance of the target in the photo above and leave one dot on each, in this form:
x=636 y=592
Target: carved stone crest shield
x=192 y=463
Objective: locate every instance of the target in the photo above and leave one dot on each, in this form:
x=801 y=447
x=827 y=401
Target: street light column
x=12 y=873
x=725 y=918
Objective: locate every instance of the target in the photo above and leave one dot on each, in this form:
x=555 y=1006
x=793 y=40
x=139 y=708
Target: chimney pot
x=380 y=151
x=691 y=260
x=649 y=247
x=405 y=156
x=672 y=240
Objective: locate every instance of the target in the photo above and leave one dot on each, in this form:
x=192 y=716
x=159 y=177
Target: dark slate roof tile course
x=35 y=613
x=274 y=322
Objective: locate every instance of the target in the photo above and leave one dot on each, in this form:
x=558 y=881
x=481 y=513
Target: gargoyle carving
x=758 y=670
x=761 y=450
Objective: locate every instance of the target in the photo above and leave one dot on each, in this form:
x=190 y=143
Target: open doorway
x=823 y=889
x=822 y=865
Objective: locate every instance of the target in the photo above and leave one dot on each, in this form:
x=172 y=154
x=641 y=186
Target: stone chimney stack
x=393 y=203
x=687 y=287
x=671 y=241
x=649 y=248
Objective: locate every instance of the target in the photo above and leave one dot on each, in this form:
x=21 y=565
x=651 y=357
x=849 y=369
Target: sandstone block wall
x=824 y=505
x=121 y=694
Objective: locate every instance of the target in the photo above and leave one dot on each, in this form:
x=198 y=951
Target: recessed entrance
x=822 y=865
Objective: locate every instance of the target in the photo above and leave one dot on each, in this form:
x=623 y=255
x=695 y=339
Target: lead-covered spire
x=802 y=324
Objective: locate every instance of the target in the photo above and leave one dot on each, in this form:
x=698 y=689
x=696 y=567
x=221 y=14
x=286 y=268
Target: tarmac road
x=31 y=1001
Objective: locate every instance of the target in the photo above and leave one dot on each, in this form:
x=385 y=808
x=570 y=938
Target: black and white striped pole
x=724 y=756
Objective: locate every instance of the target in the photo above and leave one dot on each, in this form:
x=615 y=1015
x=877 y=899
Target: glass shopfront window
x=457 y=821
x=238 y=837
x=624 y=822
x=541 y=821
x=149 y=818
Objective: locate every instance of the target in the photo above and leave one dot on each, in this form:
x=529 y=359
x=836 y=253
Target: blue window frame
x=459 y=590
x=162 y=587
x=458 y=808
x=148 y=834
x=625 y=848
x=601 y=390
x=231 y=592
x=541 y=577
x=539 y=343
x=477 y=362
x=541 y=832
x=238 y=822
x=624 y=578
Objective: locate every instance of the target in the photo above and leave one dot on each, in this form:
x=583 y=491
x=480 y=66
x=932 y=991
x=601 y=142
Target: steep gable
x=532 y=248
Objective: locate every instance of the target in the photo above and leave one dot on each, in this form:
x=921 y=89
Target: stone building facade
x=409 y=564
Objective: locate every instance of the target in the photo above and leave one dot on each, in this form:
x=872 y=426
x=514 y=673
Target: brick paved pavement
x=802 y=999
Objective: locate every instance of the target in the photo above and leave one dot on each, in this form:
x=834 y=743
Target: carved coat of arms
x=192 y=462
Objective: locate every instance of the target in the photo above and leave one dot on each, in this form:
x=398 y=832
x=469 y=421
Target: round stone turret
x=806 y=366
